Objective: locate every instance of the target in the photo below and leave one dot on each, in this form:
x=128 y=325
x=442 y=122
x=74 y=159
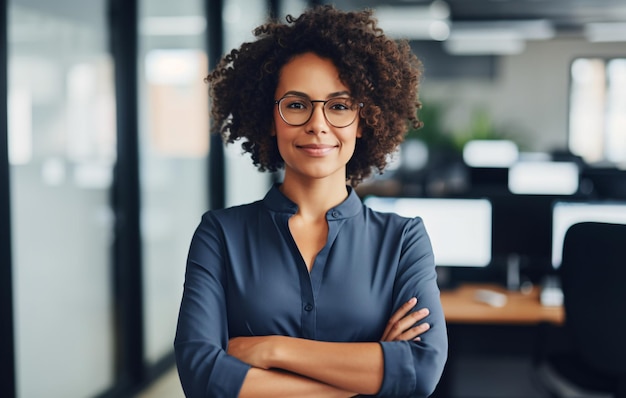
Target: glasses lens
x=295 y=110
x=339 y=112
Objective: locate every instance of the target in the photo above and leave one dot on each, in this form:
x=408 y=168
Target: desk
x=497 y=336
x=459 y=306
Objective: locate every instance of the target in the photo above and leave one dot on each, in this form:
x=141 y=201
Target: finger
x=403 y=327
x=401 y=312
x=414 y=332
x=404 y=324
x=400 y=321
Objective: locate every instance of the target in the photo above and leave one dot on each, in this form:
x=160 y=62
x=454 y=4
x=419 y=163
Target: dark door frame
x=7 y=348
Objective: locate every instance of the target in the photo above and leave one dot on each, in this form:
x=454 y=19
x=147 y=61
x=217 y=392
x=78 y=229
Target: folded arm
x=262 y=383
x=354 y=367
x=357 y=367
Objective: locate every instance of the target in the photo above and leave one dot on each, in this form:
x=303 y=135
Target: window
x=597 y=122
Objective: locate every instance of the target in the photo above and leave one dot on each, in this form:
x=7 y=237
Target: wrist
x=278 y=351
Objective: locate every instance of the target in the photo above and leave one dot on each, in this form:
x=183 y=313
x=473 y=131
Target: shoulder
x=401 y=237
x=229 y=220
x=219 y=226
x=394 y=228
x=233 y=213
x=391 y=220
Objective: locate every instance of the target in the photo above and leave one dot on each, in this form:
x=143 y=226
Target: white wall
x=529 y=93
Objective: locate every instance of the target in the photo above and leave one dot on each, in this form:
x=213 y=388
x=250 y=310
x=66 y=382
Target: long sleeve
x=204 y=368
x=413 y=368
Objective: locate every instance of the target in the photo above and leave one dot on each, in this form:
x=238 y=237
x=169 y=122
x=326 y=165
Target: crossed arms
x=286 y=366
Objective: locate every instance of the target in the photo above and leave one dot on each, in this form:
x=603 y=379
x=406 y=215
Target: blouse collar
x=276 y=201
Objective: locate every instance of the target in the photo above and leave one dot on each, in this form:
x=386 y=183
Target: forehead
x=310 y=74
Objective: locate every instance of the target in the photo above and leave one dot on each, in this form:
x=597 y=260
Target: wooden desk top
x=460 y=306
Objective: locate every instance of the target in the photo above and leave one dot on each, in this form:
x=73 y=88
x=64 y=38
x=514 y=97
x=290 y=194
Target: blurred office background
x=106 y=164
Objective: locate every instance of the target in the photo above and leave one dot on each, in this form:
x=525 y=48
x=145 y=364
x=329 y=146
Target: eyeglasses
x=296 y=110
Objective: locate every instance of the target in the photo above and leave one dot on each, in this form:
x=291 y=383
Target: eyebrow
x=331 y=95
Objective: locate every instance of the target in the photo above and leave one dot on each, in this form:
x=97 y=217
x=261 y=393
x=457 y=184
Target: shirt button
x=335 y=214
x=308 y=307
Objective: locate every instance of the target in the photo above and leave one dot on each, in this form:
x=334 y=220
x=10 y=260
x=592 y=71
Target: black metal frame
x=7 y=350
x=127 y=257
x=215 y=48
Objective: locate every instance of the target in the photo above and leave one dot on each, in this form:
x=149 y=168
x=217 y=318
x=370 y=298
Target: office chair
x=593 y=278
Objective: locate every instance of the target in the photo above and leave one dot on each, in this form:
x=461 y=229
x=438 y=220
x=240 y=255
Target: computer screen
x=543 y=178
x=522 y=227
x=459 y=229
x=566 y=214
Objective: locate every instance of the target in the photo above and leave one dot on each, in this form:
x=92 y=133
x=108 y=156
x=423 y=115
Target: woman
x=308 y=292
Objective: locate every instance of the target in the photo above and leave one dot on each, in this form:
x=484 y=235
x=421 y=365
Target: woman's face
x=315 y=149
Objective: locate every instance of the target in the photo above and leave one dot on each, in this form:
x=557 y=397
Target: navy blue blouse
x=246 y=277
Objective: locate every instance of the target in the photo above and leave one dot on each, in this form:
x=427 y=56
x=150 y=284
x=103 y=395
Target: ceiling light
x=532 y=29
x=476 y=43
x=427 y=22
x=496 y=37
x=605 y=31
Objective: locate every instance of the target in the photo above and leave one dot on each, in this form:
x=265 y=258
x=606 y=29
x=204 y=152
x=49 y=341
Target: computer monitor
x=565 y=214
x=543 y=178
x=522 y=228
x=459 y=229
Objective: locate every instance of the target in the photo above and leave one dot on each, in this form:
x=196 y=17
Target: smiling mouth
x=316 y=150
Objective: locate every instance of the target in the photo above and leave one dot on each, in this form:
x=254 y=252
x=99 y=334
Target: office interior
x=106 y=166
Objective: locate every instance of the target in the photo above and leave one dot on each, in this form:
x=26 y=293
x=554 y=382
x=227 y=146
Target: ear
x=360 y=120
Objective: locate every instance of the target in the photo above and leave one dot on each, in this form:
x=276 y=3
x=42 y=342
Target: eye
x=339 y=104
x=295 y=103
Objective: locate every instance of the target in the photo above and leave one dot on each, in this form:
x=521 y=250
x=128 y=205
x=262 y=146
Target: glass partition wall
x=174 y=145
x=173 y=150
x=244 y=182
x=62 y=140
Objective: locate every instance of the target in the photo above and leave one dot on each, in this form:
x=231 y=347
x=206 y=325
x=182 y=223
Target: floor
x=167 y=386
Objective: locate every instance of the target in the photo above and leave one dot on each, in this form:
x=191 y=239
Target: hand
x=255 y=350
x=401 y=325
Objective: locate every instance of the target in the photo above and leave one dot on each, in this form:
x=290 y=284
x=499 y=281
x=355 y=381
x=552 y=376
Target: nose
x=317 y=122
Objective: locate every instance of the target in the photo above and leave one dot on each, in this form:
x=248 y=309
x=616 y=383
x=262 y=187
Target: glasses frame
x=323 y=102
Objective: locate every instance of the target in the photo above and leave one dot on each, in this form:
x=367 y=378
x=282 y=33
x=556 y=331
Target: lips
x=316 y=149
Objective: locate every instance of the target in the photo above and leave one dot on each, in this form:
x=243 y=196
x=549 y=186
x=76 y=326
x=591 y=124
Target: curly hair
x=380 y=72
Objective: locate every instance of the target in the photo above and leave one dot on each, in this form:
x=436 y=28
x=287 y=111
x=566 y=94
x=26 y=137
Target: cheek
x=283 y=140
x=349 y=138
